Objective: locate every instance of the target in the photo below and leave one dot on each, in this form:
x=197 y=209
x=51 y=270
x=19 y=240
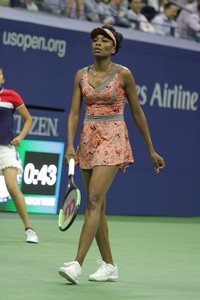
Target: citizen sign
x=41 y=126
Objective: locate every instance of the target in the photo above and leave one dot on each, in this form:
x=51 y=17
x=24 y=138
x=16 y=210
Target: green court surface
x=158 y=258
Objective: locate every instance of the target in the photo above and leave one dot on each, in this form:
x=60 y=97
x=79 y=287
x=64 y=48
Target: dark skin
x=98 y=180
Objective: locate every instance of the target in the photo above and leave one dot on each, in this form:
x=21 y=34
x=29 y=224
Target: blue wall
x=40 y=62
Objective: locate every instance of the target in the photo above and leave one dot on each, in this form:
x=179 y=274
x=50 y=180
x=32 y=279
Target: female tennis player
x=9 y=161
x=104 y=146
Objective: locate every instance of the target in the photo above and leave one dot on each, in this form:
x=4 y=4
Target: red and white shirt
x=9 y=102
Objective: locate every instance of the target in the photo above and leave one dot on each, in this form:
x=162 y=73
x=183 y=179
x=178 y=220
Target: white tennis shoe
x=31 y=236
x=106 y=272
x=71 y=271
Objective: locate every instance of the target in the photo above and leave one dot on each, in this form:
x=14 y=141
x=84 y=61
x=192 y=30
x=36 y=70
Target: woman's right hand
x=70 y=152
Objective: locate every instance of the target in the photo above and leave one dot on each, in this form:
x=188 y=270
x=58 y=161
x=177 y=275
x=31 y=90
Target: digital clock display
x=41 y=170
x=40 y=182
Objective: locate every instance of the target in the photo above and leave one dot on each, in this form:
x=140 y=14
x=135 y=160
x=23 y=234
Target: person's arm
x=74 y=115
x=159 y=26
x=128 y=81
x=91 y=11
x=106 y=16
x=193 y=22
x=145 y=25
x=24 y=113
x=69 y=7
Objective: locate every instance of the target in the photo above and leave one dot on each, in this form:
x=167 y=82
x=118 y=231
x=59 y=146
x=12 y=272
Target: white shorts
x=9 y=157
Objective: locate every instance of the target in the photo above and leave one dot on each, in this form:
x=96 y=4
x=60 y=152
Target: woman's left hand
x=159 y=162
x=16 y=141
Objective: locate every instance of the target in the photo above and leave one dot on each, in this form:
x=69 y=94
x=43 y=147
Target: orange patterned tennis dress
x=104 y=137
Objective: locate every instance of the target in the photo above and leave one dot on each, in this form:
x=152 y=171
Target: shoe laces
x=72 y=263
x=104 y=267
x=69 y=264
x=30 y=232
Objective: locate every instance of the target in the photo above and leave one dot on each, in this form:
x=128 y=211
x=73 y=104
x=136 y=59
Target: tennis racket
x=71 y=202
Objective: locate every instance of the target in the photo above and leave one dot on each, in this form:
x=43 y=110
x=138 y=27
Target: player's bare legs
x=99 y=183
x=10 y=175
x=102 y=232
x=102 y=237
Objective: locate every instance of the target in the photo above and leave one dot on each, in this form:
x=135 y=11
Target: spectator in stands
x=31 y=5
x=183 y=18
x=193 y=26
x=138 y=20
x=156 y=4
x=149 y=12
x=53 y=6
x=97 y=11
x=165 y=23
x=75 y=9
x=119 y=14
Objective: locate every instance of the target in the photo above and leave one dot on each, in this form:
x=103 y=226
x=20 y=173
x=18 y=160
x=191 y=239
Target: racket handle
x=71 y=166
